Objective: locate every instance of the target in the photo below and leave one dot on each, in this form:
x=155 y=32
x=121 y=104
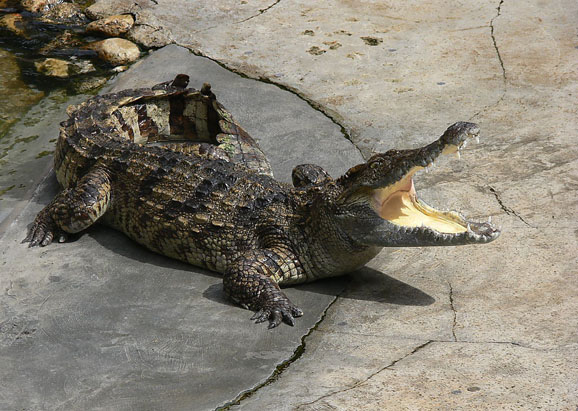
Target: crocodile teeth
x=490 y=219
x=477 y=139
x=458 y=154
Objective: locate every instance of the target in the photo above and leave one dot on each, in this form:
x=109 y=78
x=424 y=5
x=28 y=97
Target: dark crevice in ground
x=453 y=311
x=499 y=10
x=299 y=351
x=261 y=11
x=314 y=105
x=361 y=382
x=507 y=209
x=394 y=362
x=499 y=55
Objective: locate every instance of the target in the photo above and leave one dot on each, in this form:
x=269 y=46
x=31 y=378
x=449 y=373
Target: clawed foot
x=277 y=311
x=43 y=231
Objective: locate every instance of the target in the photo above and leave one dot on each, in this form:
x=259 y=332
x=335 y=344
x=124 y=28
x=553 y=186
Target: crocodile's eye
x=375 y=164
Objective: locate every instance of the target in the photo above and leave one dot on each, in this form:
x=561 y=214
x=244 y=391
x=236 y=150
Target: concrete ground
x=101 y=323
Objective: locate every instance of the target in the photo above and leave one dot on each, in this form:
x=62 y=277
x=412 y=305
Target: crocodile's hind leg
x=252 y=281
x=73 y=209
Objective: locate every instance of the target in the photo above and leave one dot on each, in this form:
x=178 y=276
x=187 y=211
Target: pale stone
x=14 y=23
x=64 y=13
x=112 y=26
x=39 y=6
x=53 y=67
x=116 y=51
x=148 y=36
x=119 y=69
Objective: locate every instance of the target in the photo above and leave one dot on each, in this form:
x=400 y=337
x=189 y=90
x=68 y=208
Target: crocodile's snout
x=385 y=185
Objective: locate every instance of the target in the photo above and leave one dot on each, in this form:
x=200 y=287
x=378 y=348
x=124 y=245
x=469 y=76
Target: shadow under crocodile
x=369 y=284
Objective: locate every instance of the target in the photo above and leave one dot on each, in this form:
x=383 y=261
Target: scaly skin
x=213 y=202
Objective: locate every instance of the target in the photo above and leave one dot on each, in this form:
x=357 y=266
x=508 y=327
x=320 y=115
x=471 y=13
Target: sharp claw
x=257 y=314
x=275 y=319
x=272 y=325
x=296 y=312
x=47 y=240
x=262 y=318
x=35 y=241
x=289 y=320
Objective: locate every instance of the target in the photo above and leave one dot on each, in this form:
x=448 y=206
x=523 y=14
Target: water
x=32 y=103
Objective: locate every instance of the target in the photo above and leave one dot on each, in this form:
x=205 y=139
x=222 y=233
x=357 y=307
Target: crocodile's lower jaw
x=399 y=205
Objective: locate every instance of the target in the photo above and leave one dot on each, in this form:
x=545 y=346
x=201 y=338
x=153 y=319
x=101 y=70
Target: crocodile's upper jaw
x=399 y=217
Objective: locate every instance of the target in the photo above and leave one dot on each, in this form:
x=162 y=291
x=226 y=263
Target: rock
x=65 y=13
x=150 y=37
x=14 y=23
x=89 y=84
x=119 y=69
x=53 y=67
x=82 y=67
x=39 y=6
x=101 y=10
x=65 y=40
x=112 y=26
x=116 y=51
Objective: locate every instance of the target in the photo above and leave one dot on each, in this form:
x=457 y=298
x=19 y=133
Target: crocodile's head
x=378 y=204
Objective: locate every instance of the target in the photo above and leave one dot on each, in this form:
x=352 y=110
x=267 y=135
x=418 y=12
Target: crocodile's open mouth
x=398 y=204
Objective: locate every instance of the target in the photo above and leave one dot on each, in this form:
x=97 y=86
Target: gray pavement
x=477 y=327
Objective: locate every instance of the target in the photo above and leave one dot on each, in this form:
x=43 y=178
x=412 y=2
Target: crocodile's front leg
x=73 y=209
x=252 y=281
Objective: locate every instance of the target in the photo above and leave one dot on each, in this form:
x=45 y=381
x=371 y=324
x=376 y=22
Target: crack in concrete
x=507 y=209
x=261 y=11
x=361 y=382
x=455 y=320
x=299 y=351
x=394 y=362
x=499 y=55
x=313 y=104
x=492 y=33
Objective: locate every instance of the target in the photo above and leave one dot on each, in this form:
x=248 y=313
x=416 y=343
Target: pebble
x=112 y=26
x=116 y=51
x=65 y=13
x=53 y=67
x=14 y=23
x=38 y=6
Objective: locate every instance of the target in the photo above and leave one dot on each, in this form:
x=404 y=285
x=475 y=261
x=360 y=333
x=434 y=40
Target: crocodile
x=170 y=167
